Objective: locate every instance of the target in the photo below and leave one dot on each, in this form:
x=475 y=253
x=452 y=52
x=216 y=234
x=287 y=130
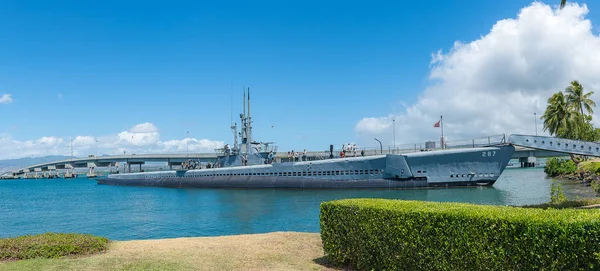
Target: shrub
x=556 y=166
x=557 y=194
x=50 y=245
x=411 y=235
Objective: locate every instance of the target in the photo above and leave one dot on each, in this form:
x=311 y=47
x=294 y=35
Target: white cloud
x=194 y=145
x=146 y=127
x=84 y=141
x=6 y=99
x=49 y=140
x=144 y=134
x=494 y=84
x=141 y=138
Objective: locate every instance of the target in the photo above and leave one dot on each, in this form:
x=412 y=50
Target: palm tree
x=557 y=115
x=578 y=100
x=563 y=3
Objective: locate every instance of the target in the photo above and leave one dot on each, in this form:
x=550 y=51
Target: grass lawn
x=271 y=251
x=591 y=166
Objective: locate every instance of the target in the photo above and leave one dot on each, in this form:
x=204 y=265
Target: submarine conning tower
x=248 y=152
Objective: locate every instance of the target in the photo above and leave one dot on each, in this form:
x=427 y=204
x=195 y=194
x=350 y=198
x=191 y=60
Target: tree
x=565 y=117
x=563 y=3
x=578 y=100
x=557 y=115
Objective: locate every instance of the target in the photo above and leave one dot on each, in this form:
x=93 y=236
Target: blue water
x=125 y=213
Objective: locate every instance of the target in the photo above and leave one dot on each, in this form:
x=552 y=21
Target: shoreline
x=264 y=251
x=586 y=173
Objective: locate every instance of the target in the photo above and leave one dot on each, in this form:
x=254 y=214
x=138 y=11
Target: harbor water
x=125 y=213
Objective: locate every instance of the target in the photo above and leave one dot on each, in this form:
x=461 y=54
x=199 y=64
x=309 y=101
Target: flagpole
x=442 y=124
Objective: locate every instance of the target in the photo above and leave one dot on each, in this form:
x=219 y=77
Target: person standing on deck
x=304 y=155
x=288 y=156
x=349 y=148
x=354 y=149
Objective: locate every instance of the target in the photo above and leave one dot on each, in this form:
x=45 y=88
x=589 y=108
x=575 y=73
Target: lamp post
x=187 y=144
x=535 y=121
x=380 y=146
x=394 y=122
x=71 y=143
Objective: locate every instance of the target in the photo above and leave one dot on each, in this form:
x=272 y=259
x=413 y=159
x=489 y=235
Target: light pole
x=380 y=146
x=71 y=143
x=187 y=144
x=394 y=122
x=535 y=121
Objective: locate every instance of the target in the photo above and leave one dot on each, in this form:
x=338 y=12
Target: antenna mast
x=249 y=120
x=231 y=104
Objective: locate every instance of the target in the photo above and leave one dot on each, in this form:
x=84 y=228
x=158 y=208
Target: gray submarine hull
x=445 y=168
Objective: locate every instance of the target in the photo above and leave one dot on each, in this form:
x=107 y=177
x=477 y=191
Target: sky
x=155 y=77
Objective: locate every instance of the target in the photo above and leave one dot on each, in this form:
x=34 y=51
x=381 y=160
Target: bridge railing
x=421 y=147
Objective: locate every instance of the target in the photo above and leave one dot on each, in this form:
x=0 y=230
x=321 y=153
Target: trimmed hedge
x=378 y=234
x=50 y=245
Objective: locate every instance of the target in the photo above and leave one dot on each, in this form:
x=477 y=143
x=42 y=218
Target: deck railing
x=419 y=147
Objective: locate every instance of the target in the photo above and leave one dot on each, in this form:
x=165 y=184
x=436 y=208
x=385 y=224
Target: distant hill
x=12 y=164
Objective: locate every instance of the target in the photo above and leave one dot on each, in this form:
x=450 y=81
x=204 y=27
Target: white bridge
x=527 y=147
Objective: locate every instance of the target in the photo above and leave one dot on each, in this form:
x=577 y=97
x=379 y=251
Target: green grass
x=590 y=166
x=271 y=251
x=50 y=246
x=92 y=263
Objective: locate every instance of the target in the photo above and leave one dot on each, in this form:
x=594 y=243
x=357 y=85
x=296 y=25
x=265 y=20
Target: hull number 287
x=488 y=154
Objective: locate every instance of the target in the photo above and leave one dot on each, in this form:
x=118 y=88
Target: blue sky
x=315 y=69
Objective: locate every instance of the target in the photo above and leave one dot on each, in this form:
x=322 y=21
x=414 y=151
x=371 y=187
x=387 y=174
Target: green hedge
x=50 y=245
x=411 y=235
